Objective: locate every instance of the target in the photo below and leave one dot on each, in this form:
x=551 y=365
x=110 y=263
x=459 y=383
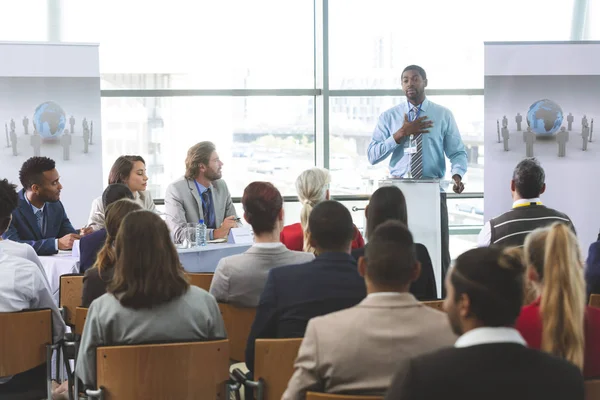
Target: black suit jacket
x=496 y=371
x=592 y=272
x=423 y=288
x=94 y=284
x=296 y=293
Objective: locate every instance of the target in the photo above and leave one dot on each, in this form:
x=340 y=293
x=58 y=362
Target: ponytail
x=563 y=300
x=312 y=186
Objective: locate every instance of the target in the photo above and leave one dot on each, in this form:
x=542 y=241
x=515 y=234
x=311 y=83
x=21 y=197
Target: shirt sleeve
x=96 y=218
x=41 y=298
x=454 y=148
x=485 y=235
x=382 y=143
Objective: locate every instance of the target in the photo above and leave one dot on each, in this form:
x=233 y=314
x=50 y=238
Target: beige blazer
x=358 y=350
x=183 y=204
x=96 y=218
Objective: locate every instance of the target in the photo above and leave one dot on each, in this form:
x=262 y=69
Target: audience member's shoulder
x=293 y=269
x=550 y=365
x=23 y=264
x=302 y=256
x=194 y=293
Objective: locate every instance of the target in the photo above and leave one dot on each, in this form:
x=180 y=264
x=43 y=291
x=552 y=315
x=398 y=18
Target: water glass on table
x=190 y=234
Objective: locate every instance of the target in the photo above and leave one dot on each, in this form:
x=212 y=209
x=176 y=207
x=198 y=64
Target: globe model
x=49 y=120
x=545 y=117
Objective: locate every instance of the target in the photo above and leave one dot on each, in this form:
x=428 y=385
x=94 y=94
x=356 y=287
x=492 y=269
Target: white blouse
x=96 y=218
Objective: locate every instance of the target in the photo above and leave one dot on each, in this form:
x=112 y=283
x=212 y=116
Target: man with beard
x=490 y=360
x=40 y=219
x=200 y=194
x=419 y=135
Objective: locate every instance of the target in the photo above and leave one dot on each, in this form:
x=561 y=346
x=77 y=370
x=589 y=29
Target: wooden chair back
x=595 y=300
x=329 y=396
x=238 y=322
x=70 y=290
x=23 y=339
x=80 y=317
x=592 y=389
x=164 y=371
x=437 y=304
x=274 y=363
x=202 y=280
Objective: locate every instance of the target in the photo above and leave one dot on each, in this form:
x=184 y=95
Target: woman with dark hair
x=149 y=298
x=131 y=171
x=96 y=278
x=240 y=279
x=388 y=203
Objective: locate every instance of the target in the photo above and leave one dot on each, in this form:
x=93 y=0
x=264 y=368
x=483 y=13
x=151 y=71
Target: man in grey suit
x=357 y=350
x=200 y=194
x=240 y=279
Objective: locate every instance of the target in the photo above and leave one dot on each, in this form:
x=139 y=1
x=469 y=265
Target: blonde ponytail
x=312 y=186
x=563 y=296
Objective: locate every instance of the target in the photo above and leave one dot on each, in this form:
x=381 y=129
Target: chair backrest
x=329 y=396
x=202 y=280
x=164 y=371
x=595 y=300
x=437 y=304
x=23 y=339
x=238 y=322
x=80 y=317
x=274 y=363
x=70 y=290
x=592 y=389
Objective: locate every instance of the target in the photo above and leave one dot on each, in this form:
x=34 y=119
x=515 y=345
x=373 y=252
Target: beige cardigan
x=96 y=219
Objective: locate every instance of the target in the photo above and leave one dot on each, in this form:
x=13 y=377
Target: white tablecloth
x=196 y=259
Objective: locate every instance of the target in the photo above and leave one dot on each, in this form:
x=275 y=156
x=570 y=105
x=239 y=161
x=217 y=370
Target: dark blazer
x=496 y=371
x=592 y=271
x=24 y=227
x=89 y=246
x=94 y=284
x=294 y=294
x=423 y=288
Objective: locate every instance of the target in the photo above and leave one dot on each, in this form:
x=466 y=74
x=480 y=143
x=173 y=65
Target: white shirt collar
x=526 y=201
x=35 y=209
x=273 y=245
x=487 y=335
x=385 y=294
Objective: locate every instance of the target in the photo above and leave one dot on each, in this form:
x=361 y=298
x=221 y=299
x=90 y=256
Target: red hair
x=262 y=203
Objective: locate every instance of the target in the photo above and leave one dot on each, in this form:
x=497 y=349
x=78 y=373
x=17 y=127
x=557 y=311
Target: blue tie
x=209 y=212
x=39 y=215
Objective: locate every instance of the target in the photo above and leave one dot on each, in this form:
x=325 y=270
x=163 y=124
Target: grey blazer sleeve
x=219 y=287
x=90 y=340
x=175 y=213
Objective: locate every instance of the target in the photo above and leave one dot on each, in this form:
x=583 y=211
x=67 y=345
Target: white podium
x=424 y=217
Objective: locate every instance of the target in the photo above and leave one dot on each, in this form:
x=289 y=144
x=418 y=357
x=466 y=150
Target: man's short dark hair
x=492 y=278
x=9 y=200
x=114 y=192
x=529 y=178
x=390 y=254
x=330 y=226
x=420 y=70
x=33 y=169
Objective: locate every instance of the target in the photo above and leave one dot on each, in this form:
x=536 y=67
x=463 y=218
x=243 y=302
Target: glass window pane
x=444 y=37
x=23 y=21
x=202 y=44
x=257 y=138
x=352 y=124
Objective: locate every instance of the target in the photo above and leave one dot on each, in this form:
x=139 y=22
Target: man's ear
x=464 y=306
x=543 y=188
x=513 y=188
x=362 y=266
x=424 y=82
x=416 y=272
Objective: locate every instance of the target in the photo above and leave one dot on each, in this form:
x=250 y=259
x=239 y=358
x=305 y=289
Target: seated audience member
x=349 y=351
x=559 y=322
x=490 y=360
x=131 y=172
x=592 y=271
x=312 y=187
x=240 y=279
x=9 y=200
x=89 y=245
x=97 y=278
x=149 y=298
x=40 y=219
x=530 y=290
x=23 y=287
x=388 y=203
x=527 y=214
x=294 y=294
x=200 y=194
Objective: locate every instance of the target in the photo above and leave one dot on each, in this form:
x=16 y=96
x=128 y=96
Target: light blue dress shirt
x=443 y=138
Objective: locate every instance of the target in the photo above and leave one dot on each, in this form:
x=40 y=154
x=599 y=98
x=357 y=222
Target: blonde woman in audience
x=149 y=298
x=530 y=290
x=99 y=276
x=312 y=187
x=131 y=171
x=559 y=322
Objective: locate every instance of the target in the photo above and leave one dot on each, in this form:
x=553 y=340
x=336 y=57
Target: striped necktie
x=416 y=159
x=39 y=215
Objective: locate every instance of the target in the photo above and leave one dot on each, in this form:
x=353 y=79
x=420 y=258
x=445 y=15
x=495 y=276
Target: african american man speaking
x=417 y=134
